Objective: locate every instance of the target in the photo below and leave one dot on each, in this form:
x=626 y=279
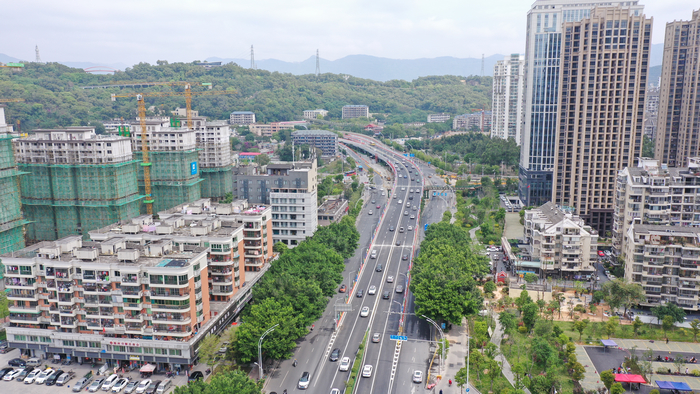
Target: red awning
x=628 y=378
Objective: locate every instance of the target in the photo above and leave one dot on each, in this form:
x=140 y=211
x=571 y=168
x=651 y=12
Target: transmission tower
x=482 y=64
x=318 y=65
x=38 y=58
x=252 y=58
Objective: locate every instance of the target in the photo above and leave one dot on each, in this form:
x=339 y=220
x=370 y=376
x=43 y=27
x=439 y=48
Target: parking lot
x=80 y=370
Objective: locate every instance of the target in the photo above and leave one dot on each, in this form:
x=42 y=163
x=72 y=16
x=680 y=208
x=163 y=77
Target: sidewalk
x=456 y=359
x=505 y=367
x=591 y=379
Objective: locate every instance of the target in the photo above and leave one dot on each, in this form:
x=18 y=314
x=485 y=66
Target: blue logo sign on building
x=193 y=168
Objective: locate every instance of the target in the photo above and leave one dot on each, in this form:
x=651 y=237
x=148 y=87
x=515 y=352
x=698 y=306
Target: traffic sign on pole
x=398 y=338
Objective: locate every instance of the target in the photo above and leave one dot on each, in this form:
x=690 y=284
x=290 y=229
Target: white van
x=164 y=386
x=34 y=362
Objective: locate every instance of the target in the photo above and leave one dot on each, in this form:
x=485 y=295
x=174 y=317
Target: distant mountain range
x=376 y=68
x=372 y=67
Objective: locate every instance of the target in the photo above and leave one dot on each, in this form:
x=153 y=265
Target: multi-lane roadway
x=398 y=227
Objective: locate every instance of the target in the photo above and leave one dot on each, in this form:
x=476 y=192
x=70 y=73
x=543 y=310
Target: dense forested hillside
x=54 y=96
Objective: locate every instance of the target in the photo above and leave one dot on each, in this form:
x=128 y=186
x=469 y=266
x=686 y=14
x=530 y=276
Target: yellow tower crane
x=140 y=99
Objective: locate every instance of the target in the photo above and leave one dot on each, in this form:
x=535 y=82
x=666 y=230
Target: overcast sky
x=129 y=31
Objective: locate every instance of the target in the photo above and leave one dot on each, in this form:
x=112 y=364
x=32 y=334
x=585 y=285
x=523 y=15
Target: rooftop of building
x=242 y=113
x=313 y=132
x=204 y=206
x=668 y=231
x=647 y=167
x=332 y=206
x=116 y=250
x=554 y=214
x=355 y=106
x=70 y=134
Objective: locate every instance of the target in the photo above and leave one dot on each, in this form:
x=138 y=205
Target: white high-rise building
x=543 y=51
x=507 y=99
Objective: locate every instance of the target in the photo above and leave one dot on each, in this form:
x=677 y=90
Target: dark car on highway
x=335 y=354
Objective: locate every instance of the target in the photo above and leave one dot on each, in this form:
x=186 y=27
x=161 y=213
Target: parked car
x=17 y=362
x=110 y=382
x=120 y=385
x=51 y=380
x=196 y=375
x=23 y=373
x=344 y=364
x=143 y=386
x=304 y=381
x=31 y=377
x=41 y=378
x=5 y=371
x=131 y=386
x=64 y=378
x=11 y=375
x=96 y=384
x=153 y=387
x=83 y=382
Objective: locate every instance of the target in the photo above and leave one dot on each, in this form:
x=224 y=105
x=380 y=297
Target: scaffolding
x=11 y=220
x=216 y=182
x=70 y=199
x=174 y=177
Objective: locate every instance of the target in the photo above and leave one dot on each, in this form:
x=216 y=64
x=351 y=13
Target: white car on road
x=365 y=311
x=344 y=364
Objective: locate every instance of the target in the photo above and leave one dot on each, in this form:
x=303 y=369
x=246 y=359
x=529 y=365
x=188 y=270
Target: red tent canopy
x=628 y=378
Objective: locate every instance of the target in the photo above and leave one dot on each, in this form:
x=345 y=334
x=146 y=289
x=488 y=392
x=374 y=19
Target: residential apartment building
x=326 y=141
x=215 y=162
x=255 y=220
x=291 y=190
x=439 y=118
x=267 y=130
x=507 y=97
x=315 y=113
x=477 y=121
x=560 y=243
x=242 y=118
x=652 y=193
x=355 y=111
x=664 y=260
x=543 y=55
x=75 y=181
x=677 y=135
x=651 y=112
x=114 y=300
x=600 y=123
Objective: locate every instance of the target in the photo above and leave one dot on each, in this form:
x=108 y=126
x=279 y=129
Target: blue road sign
x=425 y=228
x=413 y=155
x=398 y=338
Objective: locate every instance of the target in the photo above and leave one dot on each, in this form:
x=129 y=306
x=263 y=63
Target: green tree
x=530 y=278
x=529 y=312
x=523 y=299
x=637 y=324
x=231 y=382
x=518 y=370
x=480 y=333
x=611 y=325
x=208 y=348
x=260 y=317
x=695 y=328
x=577 y=372
x=494 y=368
x=669 y=309
x=580 y=326
x=617 y=389
x=489 y=288
x=280 y=247
x=508 y=321
x=262 y=159
x=679 y=363
x=608 y=378
x=342 y=236
x=667 y=324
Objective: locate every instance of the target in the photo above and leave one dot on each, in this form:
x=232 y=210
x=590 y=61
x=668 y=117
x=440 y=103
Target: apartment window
x=22 y=338
x=68 y=343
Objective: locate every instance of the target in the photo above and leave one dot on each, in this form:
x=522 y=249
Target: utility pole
x=38 y=58
x=252 y=58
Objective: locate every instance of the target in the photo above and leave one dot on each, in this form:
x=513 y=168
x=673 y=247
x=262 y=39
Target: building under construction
x=76 y=181
x=213 y=142
x=174 y=162
x=11 y=220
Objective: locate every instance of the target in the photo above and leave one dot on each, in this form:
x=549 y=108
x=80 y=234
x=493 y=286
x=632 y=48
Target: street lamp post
x=260 y=364
x=442 y=338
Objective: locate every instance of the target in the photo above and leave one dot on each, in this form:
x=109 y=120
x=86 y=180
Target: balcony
x=24 y=318
x=23 y=295
x=168 y=318
x=215 y=263
x=22 y=309
x=20 y=283
x=166 y=308
x=171 y=295
x=134 y=328
x=130 y=279
x=133 y=318
x=133 y=306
